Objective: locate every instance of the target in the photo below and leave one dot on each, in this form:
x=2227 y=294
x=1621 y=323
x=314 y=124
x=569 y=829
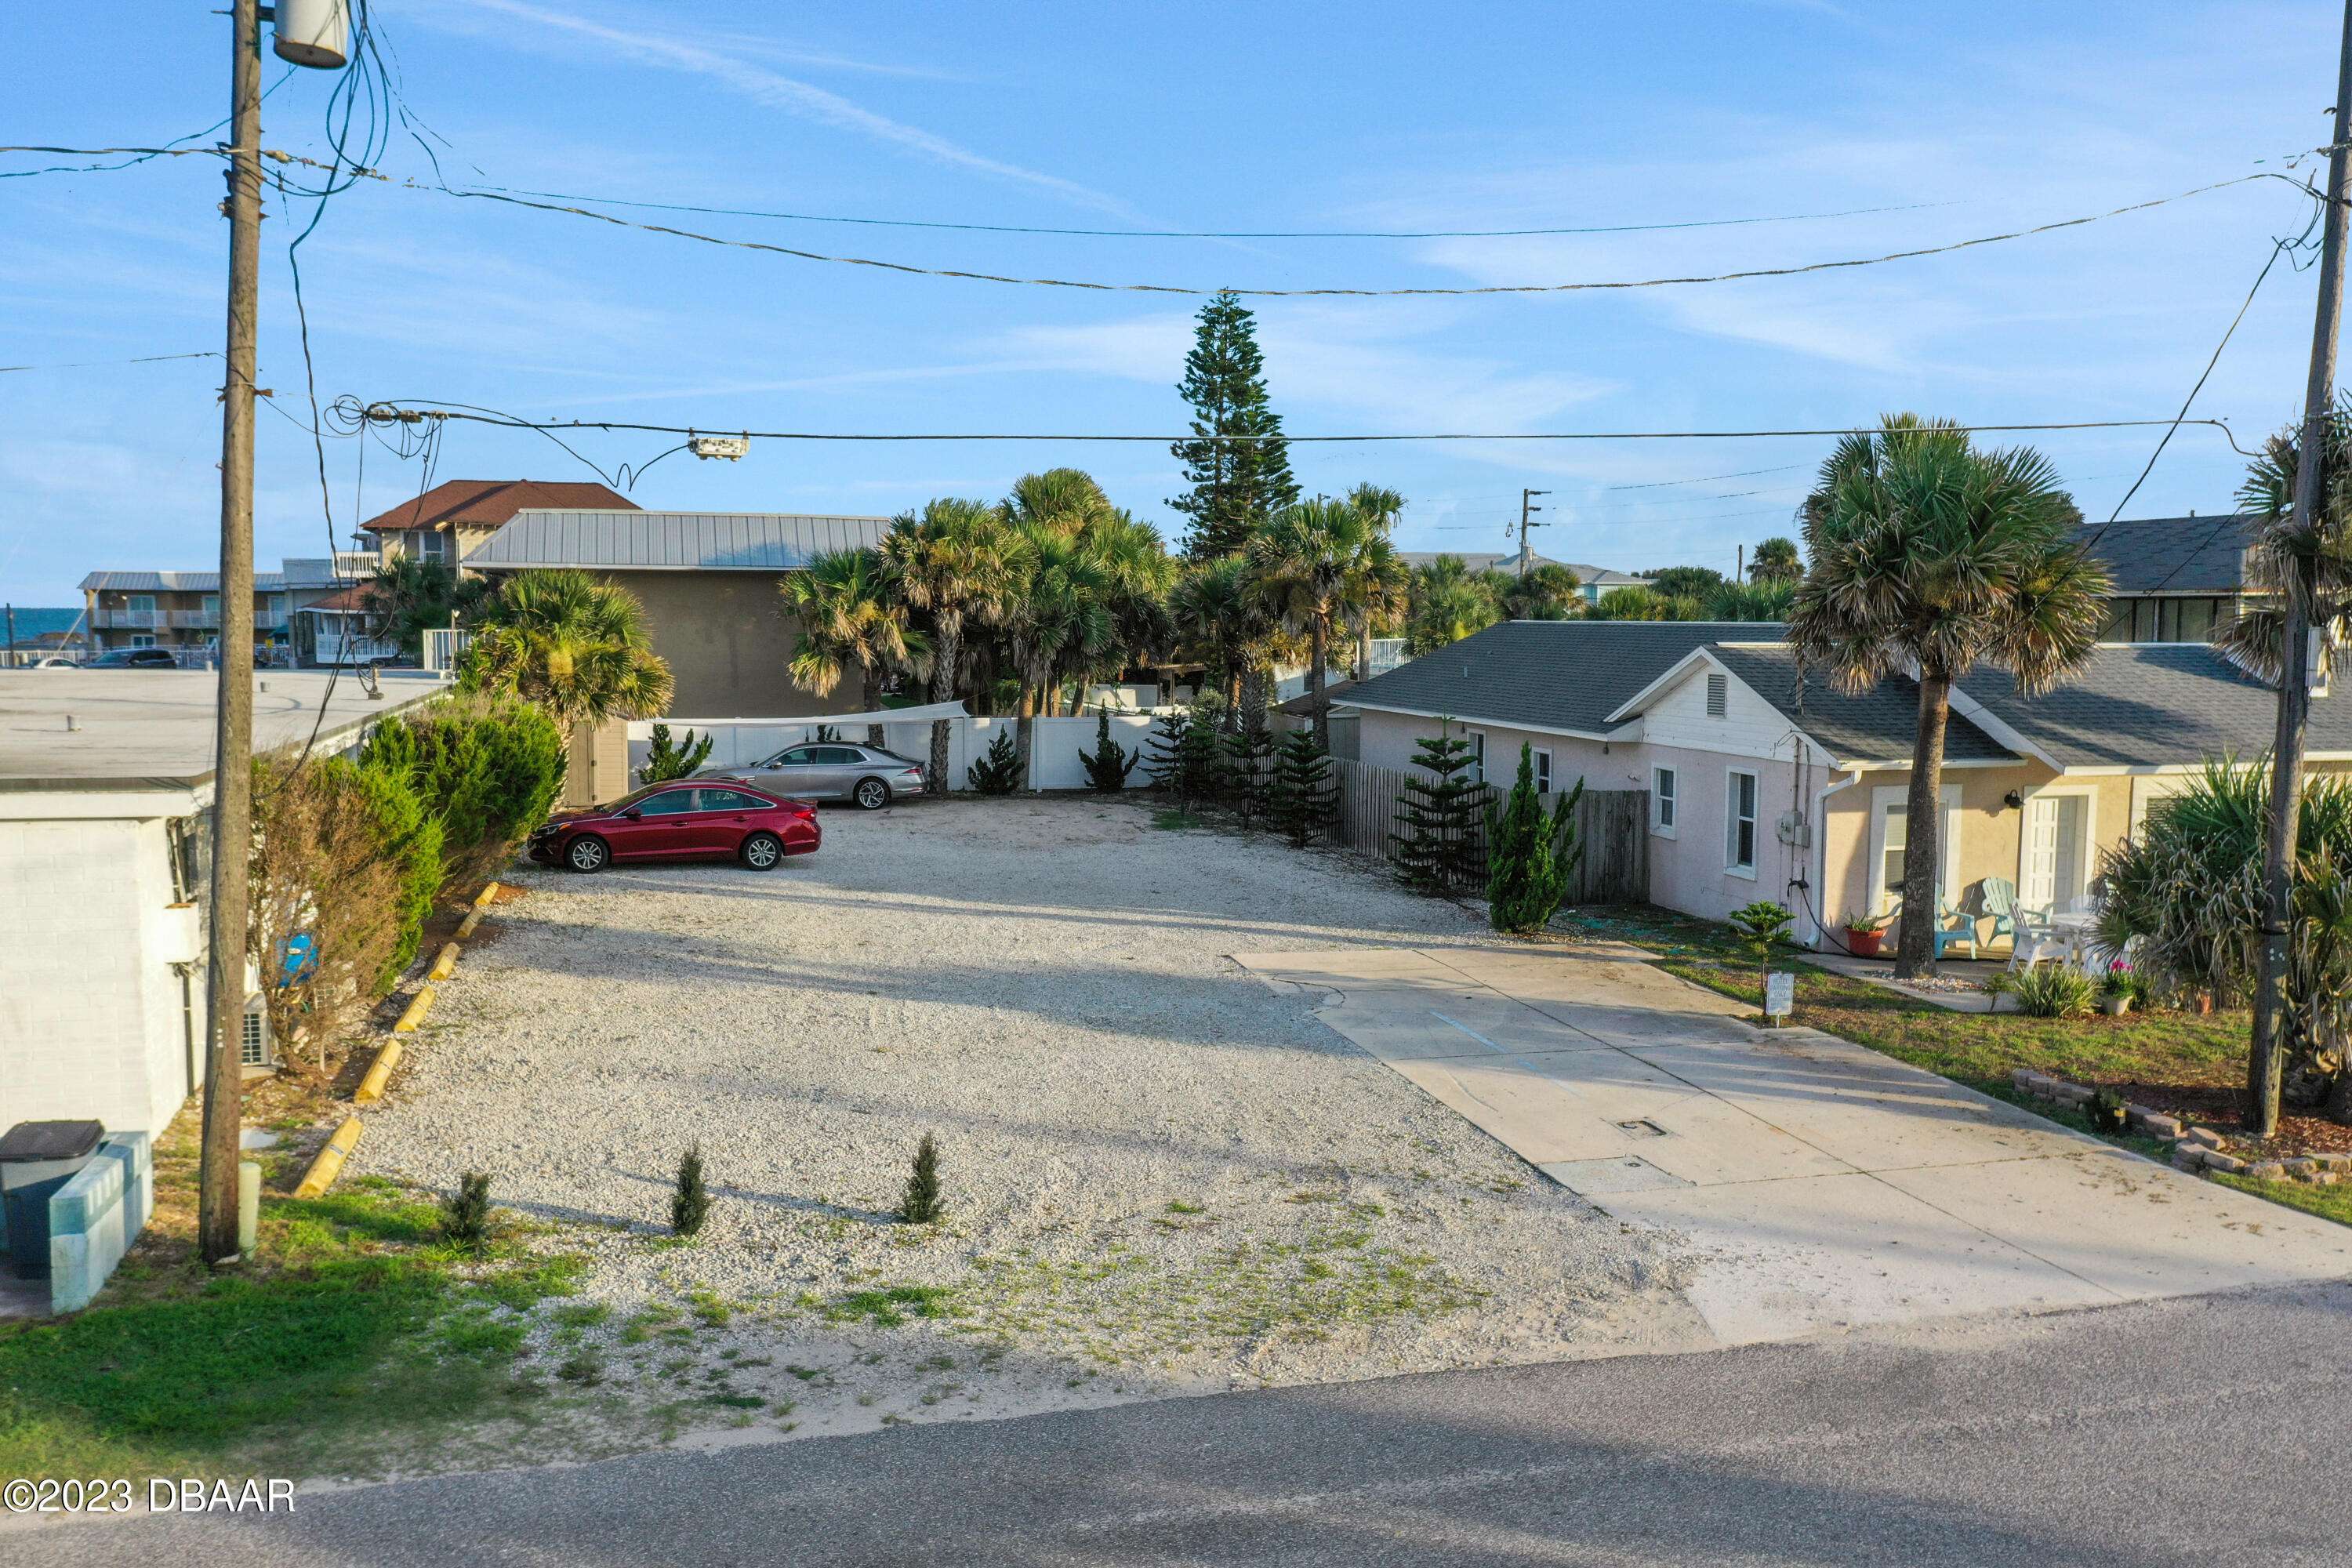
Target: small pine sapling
x=465 y=1213
x=673 y=760
x=1304 y=792
x=1530 y=860
x=1163 y=747
x=999 y=771
x=1440 y=838
x=921 y=1204
x=689 y=1205
x=1108 y=764
x=1761 y=927
x=1248 y=766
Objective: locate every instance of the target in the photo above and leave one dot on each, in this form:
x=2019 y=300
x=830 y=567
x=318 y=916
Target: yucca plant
x=2054 y=991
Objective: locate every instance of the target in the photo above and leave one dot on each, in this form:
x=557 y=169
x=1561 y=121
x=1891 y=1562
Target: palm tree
x=1930 y=557
x=1449 y=602
x=410 y=592
x=847 y=617
x=2286 y=556
x=1225 y=621
x=960 y=564
x=1061 y=616
x=1310 y=558
x=1142 y=575
x=1775 y=561
x=1548 y=593
x=1382 y=580
x=576 y=645
x=1760 y=599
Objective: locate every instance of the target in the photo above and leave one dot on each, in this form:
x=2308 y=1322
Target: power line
x=1708 y=478
x=1204 y=233
x=91 y=363
x=910 y=268
x=356 y=414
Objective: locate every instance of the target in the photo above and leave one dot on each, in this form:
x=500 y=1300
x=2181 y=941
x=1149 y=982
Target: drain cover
x=1642 y=1127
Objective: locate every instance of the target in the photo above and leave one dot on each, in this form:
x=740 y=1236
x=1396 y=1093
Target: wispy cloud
x=777 y=90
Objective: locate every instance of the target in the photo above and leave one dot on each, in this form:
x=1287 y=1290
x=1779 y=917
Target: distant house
x=458 y=517
x=710 y=586
x=1762 y=785
x=176 y=610
x=2177 y=579
x=1591 y=581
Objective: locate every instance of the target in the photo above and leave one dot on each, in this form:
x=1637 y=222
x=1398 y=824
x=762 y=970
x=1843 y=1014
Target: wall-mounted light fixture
x=2014 y=800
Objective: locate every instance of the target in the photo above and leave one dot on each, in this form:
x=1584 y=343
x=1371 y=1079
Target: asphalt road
x=2195 y=1431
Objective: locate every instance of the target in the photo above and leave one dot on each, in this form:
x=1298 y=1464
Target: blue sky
x=1207 y=116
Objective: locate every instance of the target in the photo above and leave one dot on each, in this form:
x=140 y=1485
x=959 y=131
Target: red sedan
x=681 y=819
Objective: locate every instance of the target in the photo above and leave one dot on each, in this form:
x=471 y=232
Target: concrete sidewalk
x=1823 y=1186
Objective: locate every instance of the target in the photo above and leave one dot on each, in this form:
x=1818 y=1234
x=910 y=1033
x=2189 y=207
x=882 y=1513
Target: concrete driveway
x=1823 y=1186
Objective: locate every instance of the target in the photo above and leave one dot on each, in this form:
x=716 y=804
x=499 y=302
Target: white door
x=2053 y=871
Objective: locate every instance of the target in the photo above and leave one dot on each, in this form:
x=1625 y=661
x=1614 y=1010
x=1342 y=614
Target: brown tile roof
x=351 y=598
x=488 y=503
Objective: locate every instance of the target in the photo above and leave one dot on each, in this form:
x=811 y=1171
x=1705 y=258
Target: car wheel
x=871 y=794
x=761 y=851
x=587 y=853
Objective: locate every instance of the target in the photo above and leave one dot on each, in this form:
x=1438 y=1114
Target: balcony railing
x=115 y=618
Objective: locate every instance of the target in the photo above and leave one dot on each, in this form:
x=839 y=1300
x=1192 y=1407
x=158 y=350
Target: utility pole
x=1528 y=508
x=232 y=732
x=2266 y=1061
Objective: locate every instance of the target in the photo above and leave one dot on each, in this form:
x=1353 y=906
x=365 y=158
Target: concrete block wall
x=95 y=1218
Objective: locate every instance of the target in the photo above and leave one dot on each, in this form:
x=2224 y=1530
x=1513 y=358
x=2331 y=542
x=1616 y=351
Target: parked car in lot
x=681 y=819
x=134 y=659
x=832 y=770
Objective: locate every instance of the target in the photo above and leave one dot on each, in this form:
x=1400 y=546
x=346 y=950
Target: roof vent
x=1718 y=696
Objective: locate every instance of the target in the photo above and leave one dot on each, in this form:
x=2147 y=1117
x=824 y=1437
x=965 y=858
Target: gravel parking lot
x=1162 y=1175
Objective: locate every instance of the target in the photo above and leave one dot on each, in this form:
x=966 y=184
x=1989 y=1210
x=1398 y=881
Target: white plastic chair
x=2037 y=939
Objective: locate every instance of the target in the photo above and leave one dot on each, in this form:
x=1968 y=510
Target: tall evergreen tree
x=1247 y=769
x=1530 y=861
x=1441 y=833
x=1241 y=481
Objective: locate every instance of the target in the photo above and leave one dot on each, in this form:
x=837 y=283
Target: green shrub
x=465 y=1213
x=486 y=768
x=689 y=1205
x=1529 y=860
x=2054 y=991
x=1183 y=752
x=410 y=840
x=920 y=1203
x=674 y=760
x=1245 y=770
x=998 y=773
x=1108 y=764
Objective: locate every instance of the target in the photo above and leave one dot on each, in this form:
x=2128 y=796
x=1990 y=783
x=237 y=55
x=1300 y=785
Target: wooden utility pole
x=233 y=733
x=2266 y=1061
x=1527 y=509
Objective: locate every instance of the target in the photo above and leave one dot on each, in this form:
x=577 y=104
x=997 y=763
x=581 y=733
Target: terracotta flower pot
x=1864 y=943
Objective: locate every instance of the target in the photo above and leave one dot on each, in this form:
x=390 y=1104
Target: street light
x=314 y=33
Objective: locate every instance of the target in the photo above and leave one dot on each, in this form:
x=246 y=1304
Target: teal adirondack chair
x=1947 y=934
x=1997 y=901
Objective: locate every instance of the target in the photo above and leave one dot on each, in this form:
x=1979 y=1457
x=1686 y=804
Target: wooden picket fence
x=1613 y=826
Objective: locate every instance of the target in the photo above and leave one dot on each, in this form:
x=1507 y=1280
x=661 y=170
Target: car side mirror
x=633 y=814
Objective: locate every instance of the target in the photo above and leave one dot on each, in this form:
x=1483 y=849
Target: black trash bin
x=37 y=1158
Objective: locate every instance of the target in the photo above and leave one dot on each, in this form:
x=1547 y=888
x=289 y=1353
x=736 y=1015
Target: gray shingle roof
x=673 y=540
x=1547 y=675
x=2173 y=555
x=2154 y=703
x=1877 y=726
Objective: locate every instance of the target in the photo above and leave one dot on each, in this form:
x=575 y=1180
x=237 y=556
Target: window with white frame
x=1662 y=802
x=1477 y=738
x=433 y=546
x=1543 y=772
x=1739 y=823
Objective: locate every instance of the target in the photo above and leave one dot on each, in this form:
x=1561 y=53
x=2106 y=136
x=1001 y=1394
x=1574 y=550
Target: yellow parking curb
x=482 y=899
x=466 y=927
x=378 y=1073
x=329 y=1163
x=445 y=963
x=417 y=1008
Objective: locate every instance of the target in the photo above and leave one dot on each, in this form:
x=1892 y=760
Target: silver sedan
x=832 y=770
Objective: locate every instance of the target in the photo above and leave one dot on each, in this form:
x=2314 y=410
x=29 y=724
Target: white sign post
x=1779 y=993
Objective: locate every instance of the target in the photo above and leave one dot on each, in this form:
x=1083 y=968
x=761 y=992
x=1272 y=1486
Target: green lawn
x=352 y=1333
x=1979 y=1049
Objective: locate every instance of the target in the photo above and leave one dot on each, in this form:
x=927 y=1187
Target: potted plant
x=1864 y=933
x=2116 y=991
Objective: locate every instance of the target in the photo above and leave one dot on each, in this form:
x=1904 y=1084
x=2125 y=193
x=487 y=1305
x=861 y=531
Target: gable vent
x=1718 y=693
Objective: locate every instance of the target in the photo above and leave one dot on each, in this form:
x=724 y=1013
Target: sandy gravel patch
x=1162 y=1175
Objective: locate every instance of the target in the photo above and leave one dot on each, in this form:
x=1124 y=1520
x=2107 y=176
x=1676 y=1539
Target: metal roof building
x=672 y=540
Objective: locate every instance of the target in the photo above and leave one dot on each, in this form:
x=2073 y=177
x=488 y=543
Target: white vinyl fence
x=1055 y=759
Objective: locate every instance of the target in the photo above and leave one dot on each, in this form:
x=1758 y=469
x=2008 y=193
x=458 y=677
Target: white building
x=106 y=782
